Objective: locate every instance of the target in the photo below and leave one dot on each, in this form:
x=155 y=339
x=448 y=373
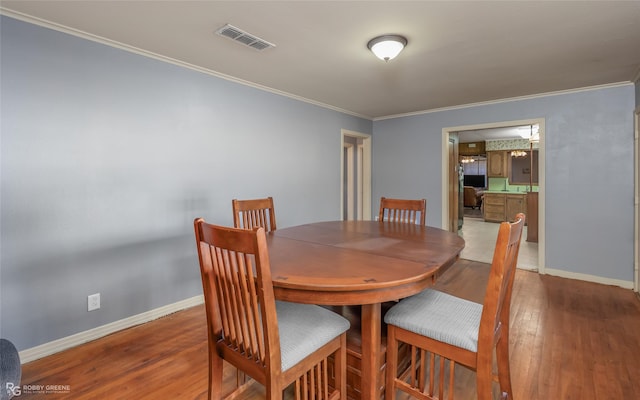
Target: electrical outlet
x=93 y=302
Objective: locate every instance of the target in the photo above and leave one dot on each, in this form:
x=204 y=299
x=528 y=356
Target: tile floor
x=480 y=238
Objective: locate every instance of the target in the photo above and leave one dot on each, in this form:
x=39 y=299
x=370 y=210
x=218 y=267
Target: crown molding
x=506 y=100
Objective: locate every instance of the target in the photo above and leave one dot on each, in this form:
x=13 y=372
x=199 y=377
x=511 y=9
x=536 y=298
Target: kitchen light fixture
x=387 y=47
x=518 y=153
x=467 y=160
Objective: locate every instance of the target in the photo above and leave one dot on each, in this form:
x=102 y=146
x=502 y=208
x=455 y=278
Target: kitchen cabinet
x=514 y=204
x=499 y=207
x=471 y=149
x=494 y=206
x=497 y=164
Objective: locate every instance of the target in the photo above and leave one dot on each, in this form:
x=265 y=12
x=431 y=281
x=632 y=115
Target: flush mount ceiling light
x=387 y=47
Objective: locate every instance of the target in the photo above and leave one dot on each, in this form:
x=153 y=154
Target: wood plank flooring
x=570 y=340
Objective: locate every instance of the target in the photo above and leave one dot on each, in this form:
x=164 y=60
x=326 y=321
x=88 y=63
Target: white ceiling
x=459 y=52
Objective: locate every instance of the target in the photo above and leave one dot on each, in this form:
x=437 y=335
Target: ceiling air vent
x=243 y=37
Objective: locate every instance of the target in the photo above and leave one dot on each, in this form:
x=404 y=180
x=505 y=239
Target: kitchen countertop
x=504 y=192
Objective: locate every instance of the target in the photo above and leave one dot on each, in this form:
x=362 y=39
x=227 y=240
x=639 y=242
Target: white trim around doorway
x=365 y=173
x=636 y=201
x=541 y=168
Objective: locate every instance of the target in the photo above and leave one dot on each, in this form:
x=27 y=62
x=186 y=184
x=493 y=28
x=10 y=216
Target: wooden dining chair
x=249 y=214
x=400 y=210
x=434 y=324
x=274 y=342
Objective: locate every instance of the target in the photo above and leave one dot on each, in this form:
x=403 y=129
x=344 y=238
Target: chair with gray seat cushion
x=10 y=370
x=436 y=324
x=276 y=343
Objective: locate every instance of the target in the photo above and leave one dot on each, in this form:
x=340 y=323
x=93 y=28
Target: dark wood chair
x=274 y=342
x=434 y=324
x=249 y=214
x=400 y=210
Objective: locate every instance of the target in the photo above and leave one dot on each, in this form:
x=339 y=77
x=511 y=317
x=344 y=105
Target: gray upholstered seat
x=429 y=313
x=304 y=328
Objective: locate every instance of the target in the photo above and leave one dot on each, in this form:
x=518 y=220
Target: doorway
x=537 y=251
x=355 y=172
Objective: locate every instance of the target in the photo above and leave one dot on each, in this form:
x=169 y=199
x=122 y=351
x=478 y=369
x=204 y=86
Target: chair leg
x=341 y=367
x=391 y=364
x=504 y=372
x=215 y=375
x=273 y=391
x=484 y=377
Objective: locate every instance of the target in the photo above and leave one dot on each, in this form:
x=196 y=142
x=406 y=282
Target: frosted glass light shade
x=387 y=47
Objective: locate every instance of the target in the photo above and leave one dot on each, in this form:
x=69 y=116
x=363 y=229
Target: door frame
x=541 y=174
x=636 y=201
x=363 y=170
x=350 y=167
x=453 y=189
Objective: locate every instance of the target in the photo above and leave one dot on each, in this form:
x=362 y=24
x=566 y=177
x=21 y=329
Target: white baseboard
x=64 y=343
x=589 y=278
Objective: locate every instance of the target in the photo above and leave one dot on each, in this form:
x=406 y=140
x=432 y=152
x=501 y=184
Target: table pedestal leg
x=371 y=321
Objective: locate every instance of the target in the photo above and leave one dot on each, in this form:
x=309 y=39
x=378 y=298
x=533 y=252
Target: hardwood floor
x=570 y=340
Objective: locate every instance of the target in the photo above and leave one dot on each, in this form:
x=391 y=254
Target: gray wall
x=588 y=171
x=108 y=156
x=637 y=85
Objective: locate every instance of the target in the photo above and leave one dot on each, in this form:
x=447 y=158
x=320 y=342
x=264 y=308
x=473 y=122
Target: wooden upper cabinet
x=471 y=149
x=497 y=164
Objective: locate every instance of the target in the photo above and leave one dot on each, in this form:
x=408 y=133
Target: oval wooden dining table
x=359 y=263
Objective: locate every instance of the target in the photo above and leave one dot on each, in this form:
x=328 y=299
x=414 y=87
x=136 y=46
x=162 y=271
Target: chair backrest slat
x=401 y=210
x=253 y=336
